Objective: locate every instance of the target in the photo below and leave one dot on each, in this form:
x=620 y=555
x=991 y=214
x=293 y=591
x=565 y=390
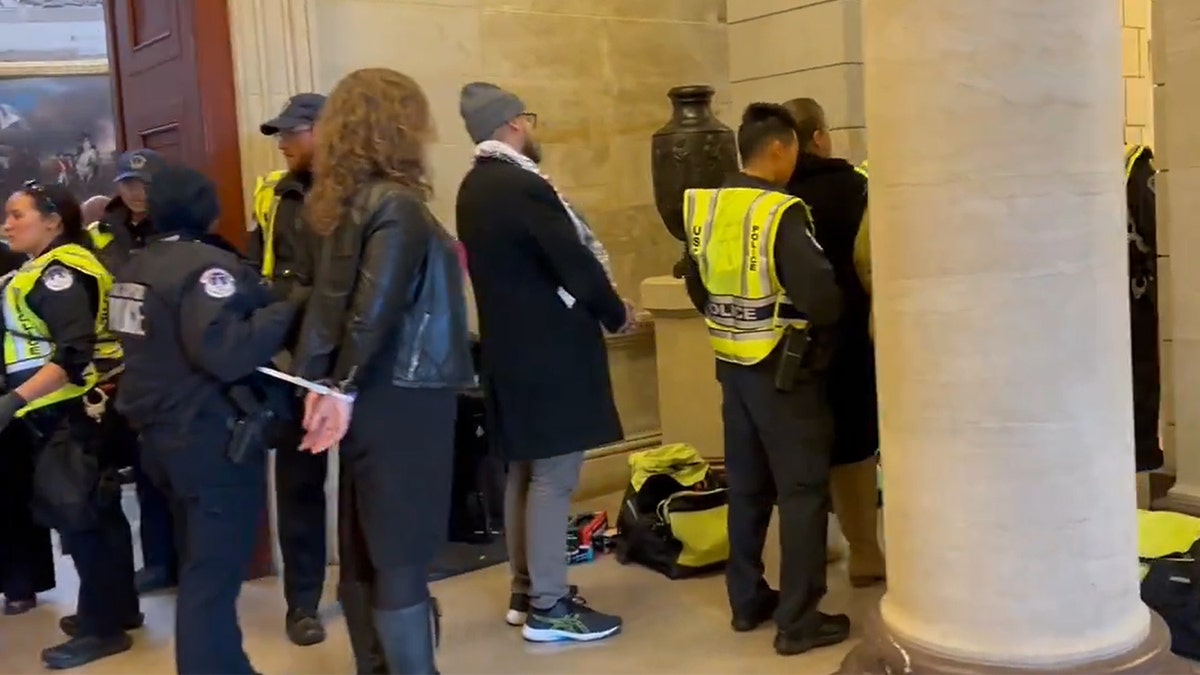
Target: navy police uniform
x=194 y=319
x=114 y=237
x=281 y=246
x=57 y=299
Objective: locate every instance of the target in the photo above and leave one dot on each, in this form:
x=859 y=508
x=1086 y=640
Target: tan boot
x=855 y=501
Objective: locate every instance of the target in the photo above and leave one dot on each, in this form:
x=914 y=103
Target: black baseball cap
x=300 y=111
x=140 y=164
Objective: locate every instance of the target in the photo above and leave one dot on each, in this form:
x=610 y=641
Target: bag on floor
x=673 y=517
x=1168 y=547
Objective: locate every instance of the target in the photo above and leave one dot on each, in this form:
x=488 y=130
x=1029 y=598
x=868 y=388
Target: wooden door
x=174 y=93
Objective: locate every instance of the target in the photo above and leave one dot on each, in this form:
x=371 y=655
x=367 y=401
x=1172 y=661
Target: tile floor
x=670 y=627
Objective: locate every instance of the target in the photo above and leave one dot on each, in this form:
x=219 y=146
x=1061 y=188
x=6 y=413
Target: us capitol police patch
x=58 y=278
x=218 y=283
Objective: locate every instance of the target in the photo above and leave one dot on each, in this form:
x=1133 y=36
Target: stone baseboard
x=882 y=652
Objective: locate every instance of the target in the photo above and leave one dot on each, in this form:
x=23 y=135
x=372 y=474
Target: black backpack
x=1171 y=587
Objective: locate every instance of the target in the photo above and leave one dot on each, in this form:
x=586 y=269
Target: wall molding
x=13 y=69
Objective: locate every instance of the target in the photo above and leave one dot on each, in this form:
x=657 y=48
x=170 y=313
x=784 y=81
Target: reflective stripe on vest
x=1132 y=154
x=862 y=168
x=266 y=203
x=732 y=237
x=28 y=344
x=99 y=237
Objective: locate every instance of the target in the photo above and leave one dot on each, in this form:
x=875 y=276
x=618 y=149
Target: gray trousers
x=537 y=503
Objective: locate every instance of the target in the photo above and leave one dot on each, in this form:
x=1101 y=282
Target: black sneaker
x=304 y=629
x=832 y=629
x=518 y=606
x=81 y=651
x=569 y=620
x=762 y=611
x=69 y=625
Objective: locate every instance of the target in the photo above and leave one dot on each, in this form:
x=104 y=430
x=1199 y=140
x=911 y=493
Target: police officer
x=836 y=193
x=282 y=246
x=121 y=229
x=195 y=322
x=769 y=298
x=56 y=349
x=1143 y=307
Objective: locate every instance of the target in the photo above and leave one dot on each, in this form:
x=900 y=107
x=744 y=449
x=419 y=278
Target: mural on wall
x=57 y=130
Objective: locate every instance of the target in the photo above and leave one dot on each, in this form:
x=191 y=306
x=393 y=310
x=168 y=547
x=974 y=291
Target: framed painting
x=57 y=125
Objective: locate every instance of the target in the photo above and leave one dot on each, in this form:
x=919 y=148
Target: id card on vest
x=125 y=313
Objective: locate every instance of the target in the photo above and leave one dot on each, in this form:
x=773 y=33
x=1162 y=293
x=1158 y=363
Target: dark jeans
x=300 y=496
x=103 y=557
x=777 y=450
x=220 y=504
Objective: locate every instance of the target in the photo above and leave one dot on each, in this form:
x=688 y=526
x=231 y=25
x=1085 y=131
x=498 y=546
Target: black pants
x=777 y=450
x=26 y=552
x=102 y=549
x=300 y=496
x=103 y=557
x=159 y=544
x=1146 y=384
x=219 y=504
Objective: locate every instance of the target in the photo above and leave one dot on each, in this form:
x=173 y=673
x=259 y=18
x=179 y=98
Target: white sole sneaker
x=552 y=635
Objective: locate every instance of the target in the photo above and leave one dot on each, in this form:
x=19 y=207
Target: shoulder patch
x=58 y=278
x=218 y=283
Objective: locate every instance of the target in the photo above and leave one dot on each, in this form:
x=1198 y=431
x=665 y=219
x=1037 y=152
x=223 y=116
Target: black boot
x=409 y=638
x=364 y=641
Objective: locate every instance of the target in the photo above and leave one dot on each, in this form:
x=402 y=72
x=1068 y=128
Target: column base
x=883 y=653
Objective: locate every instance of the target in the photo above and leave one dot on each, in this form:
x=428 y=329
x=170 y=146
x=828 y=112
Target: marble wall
x=595 y=71
x=782 y=49
x=1135 y=70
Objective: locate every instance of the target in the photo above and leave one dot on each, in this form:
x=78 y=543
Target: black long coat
x=1143 y=311
x=837 y=196
x=544 y=363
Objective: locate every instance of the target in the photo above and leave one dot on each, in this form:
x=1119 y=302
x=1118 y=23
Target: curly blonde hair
x=375 y=125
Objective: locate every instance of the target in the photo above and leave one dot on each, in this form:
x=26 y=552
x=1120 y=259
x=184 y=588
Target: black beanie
x=181 y=199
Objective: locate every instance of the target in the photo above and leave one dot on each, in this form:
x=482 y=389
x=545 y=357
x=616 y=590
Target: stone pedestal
x=689 y=399
x=1002 y=338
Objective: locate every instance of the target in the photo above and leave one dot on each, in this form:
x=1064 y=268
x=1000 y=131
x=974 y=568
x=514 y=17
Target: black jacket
x=387 y=306
x=126 y=235
x=544 y=363
x=192 y=318
x=294 y=243
x=1143 y=310
x=836 y=194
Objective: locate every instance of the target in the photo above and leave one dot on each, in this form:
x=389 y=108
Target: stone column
x=998 y=240
x=1176 y=58
x=273 y=59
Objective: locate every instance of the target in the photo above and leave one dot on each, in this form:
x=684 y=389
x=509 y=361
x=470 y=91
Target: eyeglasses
x=531 y=118
x=34 y=189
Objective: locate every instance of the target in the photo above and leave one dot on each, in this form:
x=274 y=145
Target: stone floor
x=670 y=627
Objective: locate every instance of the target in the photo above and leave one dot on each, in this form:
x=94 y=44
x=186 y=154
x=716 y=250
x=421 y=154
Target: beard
x=532 y=150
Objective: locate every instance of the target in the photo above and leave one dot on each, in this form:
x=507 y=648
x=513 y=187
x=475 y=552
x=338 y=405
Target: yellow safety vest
x=862 y=168
x=266 y=202
x=1132 y=154
x=28 y=344
x=732 y=237
x=99 y=237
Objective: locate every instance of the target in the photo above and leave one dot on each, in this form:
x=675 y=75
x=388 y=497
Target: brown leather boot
x=855 y=501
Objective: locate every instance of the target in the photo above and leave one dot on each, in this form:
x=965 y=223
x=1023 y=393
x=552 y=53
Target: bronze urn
x=693 y=150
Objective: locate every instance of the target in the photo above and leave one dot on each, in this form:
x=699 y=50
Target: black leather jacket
x=387 y=305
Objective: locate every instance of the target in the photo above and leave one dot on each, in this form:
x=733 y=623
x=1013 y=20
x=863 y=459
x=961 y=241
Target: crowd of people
x=138 y=340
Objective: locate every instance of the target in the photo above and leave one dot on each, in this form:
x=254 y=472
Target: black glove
x=10 y=403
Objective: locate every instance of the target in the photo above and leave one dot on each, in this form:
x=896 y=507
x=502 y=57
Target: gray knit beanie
x=485 y=108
